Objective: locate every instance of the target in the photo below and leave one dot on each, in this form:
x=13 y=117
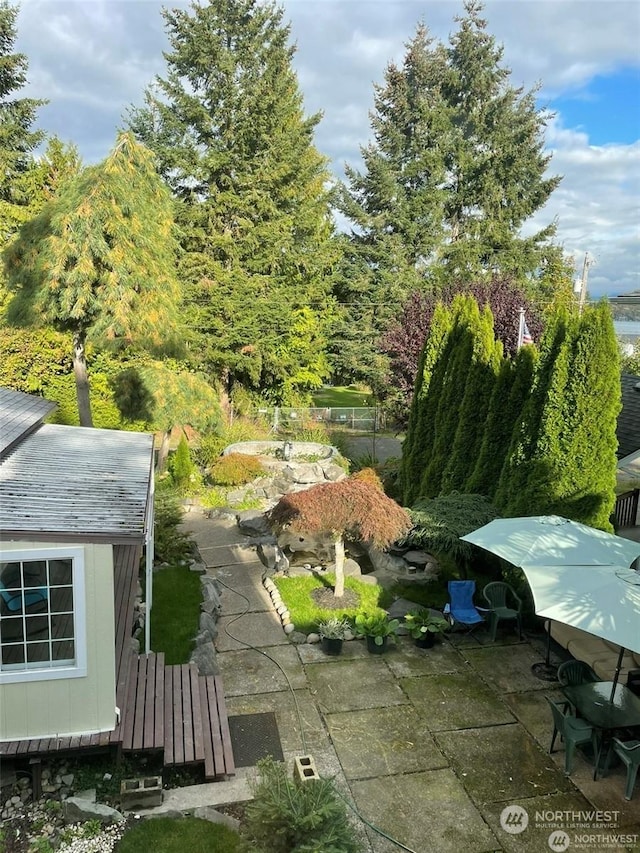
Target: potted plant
x=376 y=628
x=424 y=625
x=332 y=633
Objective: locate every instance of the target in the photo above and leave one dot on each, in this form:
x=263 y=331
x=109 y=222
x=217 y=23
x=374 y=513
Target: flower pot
x=374 y=648
x=331 y=645
x=426 y=640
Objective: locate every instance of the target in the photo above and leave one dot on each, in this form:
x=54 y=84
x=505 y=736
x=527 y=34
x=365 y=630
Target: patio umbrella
x=601 y=600
x=550 y=540
x=555 y=544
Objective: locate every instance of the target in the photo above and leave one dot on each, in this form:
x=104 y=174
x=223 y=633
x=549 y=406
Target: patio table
x=593 y=703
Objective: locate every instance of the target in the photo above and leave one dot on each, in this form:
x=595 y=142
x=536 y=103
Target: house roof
x=64 y=483
x=628 y=427
x=20 y=414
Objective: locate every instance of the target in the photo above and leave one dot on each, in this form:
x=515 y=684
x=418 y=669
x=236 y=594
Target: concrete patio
x=430 y=746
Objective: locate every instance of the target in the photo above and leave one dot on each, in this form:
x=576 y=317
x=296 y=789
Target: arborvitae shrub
x=235 y=469
x=180 y=465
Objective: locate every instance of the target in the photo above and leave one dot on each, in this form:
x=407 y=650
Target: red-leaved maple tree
x=355 y=507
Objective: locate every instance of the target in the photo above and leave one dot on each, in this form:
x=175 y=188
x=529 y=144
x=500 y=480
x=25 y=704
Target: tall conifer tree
x=232 y=140
x=455 y=169
x=18 y=139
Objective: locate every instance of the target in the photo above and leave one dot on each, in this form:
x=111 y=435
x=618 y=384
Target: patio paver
x=486 y=759
x=410 y=660
x=382 y=742
x=507 y=667
x=456 y=700
x=427 y=811
x=352 y=685
x=248 y=671
x=255 y=629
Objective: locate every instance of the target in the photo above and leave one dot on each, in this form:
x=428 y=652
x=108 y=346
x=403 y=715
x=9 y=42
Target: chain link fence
x=360 y=419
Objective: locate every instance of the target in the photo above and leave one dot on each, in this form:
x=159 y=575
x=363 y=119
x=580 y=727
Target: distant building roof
x=628 y=428
x=67 y=483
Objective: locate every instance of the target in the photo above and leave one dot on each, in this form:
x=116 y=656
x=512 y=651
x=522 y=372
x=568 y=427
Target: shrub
x=235 y=469
x=243 y=429
x=171 y=544
x=180 y=465
x=286 y=817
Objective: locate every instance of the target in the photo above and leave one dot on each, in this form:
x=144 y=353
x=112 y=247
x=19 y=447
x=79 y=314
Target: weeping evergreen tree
x=420 y=436
x=99 y=261
x=481 y=380
x=510 y=393
x=163 y=395
x=228 y=127
x=566 y=463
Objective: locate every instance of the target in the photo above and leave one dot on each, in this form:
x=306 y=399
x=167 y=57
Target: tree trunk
x=163 y=453
x=82 y=380
x=339 y=549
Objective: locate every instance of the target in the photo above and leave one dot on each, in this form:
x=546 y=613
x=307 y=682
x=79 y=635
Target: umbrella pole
x=617 y=674
x=546 y=670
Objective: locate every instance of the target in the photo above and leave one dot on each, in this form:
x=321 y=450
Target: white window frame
x=79 y=668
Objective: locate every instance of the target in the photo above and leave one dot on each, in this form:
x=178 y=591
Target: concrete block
x=305 y=769
x=141 y=793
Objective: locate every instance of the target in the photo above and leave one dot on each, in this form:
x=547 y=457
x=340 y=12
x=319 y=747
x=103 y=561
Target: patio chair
x=573 y=731
x=461 y=611
x=499 y=595
x=629 y=753
x=573 y=672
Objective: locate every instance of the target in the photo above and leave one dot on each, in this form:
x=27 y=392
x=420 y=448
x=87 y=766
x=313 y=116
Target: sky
x=92 y=59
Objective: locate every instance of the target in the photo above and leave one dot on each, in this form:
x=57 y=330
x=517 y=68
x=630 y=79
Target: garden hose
x=299 y=715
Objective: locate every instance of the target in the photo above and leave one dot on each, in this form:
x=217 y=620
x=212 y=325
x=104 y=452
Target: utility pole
x=583 y=282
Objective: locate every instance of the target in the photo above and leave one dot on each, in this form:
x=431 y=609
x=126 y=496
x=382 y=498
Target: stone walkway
x=428 y=745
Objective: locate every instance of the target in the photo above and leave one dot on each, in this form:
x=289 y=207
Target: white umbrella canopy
x=601 y=600
x=550 y=540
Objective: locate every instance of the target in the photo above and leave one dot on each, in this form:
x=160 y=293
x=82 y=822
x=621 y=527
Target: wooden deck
x=171 y=710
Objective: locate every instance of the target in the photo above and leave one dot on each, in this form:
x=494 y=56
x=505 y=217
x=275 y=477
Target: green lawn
x=166 y=835
x=341 y=397
x=305 y=614
x=175 y=612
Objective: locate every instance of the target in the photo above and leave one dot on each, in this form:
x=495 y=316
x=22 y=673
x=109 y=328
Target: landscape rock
x=77 y=810
x=204 y=657
x=252 y=521
x=208 y=625
x=214 y=816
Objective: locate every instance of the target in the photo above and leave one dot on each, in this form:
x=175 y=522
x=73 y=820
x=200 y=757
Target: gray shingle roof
x=628 y=428
x=76 y=484
x=20 y=414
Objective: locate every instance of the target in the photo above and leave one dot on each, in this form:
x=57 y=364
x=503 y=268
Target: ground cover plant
x=166 y=835
x=298 y=595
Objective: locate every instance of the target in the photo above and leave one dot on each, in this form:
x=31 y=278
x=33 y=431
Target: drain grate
x=254 y=736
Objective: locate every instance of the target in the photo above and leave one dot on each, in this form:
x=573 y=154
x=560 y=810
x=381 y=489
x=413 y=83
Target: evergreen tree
x=17 y=138
x=481 y=379
x=420 y=436
x=511 y=392
x=521 y=469
x=98 y=261
x=456 y=167
x=232 y=141
x=568 y=465
x=456 y=360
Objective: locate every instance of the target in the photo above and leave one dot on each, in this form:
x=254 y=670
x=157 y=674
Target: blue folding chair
x=461 y=611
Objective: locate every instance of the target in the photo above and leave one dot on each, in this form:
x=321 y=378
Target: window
x=42 y=614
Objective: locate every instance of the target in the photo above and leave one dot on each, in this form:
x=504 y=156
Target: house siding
x=70 y=706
